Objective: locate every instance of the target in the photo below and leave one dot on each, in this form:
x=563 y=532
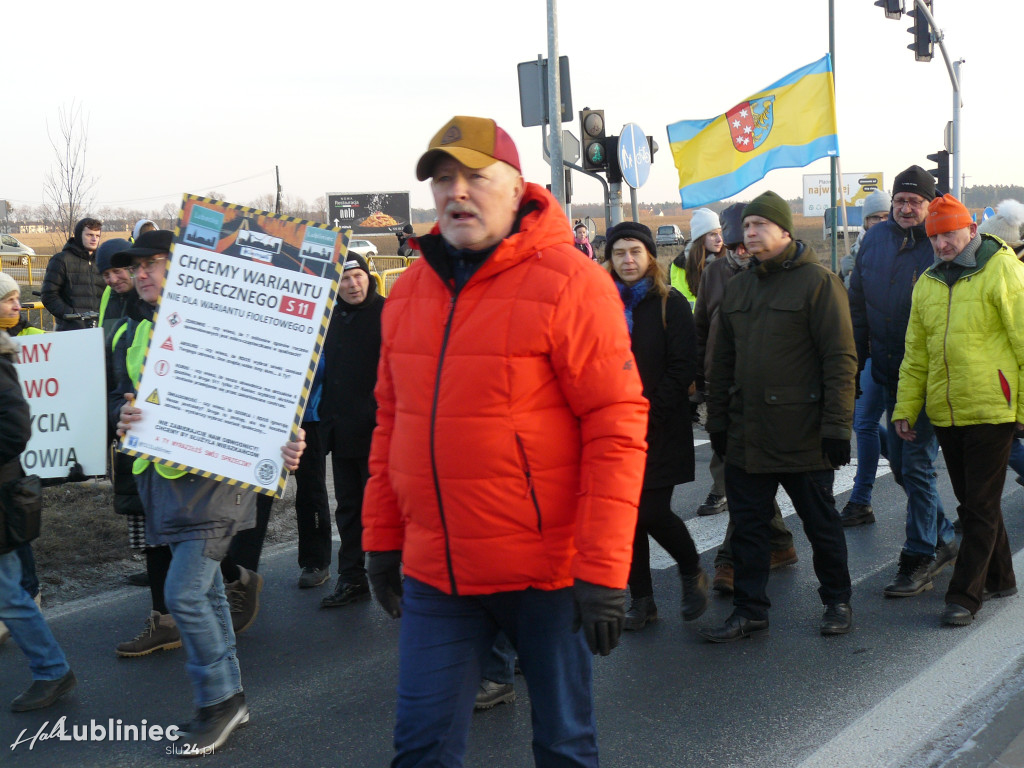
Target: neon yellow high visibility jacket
x=964 y=357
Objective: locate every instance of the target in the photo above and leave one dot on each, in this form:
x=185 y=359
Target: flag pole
x=835 y=160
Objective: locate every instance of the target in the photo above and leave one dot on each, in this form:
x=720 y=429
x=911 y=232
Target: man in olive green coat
x=780 y=410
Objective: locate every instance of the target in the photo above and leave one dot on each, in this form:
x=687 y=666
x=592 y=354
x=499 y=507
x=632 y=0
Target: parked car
x=669 y=234
x=364 y=248
x=12 y=246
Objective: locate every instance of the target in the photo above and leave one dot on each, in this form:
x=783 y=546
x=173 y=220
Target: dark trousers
x=750 y=511
x=442 y=643
x=312 y=506
x=247 y=546
x=655 y=517
x=781 y=537
x=350 y=476
x=976 y=457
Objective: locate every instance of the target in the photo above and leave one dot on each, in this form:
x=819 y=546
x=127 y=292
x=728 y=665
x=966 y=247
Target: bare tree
x=67 y=187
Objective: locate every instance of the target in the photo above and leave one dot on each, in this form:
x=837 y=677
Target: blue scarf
x=632 y=295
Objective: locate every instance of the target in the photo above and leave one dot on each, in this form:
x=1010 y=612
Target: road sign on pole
x=634 y=155
x=570 y=147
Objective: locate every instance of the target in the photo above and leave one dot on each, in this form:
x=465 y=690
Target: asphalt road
x=899 y=691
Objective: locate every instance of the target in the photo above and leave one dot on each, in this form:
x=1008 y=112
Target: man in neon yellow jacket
x=965 y=363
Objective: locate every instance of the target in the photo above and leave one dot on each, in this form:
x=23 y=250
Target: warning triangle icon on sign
x=153 y=398
x=167 y=344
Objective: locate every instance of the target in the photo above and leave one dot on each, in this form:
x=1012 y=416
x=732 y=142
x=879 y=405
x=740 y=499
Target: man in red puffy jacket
x=508 y=456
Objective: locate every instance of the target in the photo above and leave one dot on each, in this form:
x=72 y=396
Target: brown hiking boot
x=723 y=579
x=159 y=634
x=783 y=557
x=244 y=599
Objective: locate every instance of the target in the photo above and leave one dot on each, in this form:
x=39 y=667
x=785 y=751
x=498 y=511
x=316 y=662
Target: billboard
x=856 y=186
x=369 y=213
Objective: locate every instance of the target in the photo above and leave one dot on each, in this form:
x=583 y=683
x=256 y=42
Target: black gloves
x=382 y=570
x=600 y=611
x=836 y=451
x=719 y=442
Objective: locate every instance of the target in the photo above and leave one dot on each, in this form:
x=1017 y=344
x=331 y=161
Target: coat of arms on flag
x=750 y=122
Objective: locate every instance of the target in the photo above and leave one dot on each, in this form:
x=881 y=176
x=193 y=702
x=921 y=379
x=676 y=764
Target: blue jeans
x=1017 y=458
x=866 y=413
x=27 y=625
x=194 y=592
x=913 y=467
x=443 y=642
x=500 y=664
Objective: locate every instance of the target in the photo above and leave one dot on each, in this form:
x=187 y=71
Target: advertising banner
x=369 y=213
x=236 y=341
x=64 y=381
x=856 y=186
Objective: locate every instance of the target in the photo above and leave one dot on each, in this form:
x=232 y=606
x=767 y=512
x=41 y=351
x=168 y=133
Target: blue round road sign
x=634 y=156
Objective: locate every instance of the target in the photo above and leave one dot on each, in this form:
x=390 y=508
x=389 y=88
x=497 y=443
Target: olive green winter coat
x=784 y=364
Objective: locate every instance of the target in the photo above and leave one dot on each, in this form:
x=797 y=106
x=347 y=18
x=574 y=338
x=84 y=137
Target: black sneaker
x=695 y=595
x=211 y=727
x=856 y=514
x=713 y=505
x=345 y=593
x=913 y=577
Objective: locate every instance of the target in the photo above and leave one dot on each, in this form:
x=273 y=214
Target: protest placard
x=64 y=382
x=235 y=342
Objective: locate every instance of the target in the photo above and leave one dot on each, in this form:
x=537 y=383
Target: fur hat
x=877 y=202
x=8 y=285
x=633 y=230
x=772 y=207
x=1008 y=223
x=704 y=220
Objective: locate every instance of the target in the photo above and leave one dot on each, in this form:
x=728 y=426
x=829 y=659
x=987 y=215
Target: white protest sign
x=856 y=187
x=63 y=378
x=235 y=342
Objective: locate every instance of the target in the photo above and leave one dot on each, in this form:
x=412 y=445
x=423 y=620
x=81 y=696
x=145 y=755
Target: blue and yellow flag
x=787 y=125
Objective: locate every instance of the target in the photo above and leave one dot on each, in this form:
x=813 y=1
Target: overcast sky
x=344 y=96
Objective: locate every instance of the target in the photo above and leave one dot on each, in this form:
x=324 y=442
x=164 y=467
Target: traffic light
x=922 y=45
x=611 y=151
x=941 y=172
x=592 y=132
x=893 y=8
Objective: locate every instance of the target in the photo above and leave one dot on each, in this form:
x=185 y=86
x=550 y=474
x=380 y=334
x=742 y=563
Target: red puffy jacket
x=509 y=448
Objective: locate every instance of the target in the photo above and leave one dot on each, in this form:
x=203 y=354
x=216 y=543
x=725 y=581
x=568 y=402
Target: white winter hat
x=704 y=220
x=877 y=202
x=1006 y=223
x=8 y=285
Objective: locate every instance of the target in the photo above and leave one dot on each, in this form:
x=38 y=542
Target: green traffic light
x=595 y=153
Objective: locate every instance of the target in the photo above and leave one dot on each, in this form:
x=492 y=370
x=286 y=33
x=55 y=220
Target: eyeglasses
x=900 y=202
x=145 y=265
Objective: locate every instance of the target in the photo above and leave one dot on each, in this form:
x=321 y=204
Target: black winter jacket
x=666 y=358
x=15 y=425
x=348 y=409
x=71 y=284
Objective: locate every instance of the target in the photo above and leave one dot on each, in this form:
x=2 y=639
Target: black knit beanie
x=629 y=230
x=732 y=226
x=772 y=207
x=917 y=180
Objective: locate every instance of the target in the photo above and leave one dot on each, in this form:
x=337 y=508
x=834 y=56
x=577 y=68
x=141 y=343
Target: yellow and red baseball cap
x=476 y=142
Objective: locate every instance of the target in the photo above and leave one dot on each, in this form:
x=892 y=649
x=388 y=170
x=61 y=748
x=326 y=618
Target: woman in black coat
x=665 y=347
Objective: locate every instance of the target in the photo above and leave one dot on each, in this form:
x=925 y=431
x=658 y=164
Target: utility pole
x=277 y=202
x=555 y=107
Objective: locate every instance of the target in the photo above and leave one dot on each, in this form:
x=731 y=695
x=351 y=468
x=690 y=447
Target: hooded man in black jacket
x=348 y=414
x=72 y=285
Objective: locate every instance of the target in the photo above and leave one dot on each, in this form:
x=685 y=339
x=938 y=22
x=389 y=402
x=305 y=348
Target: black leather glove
x=836 y=451
x=600 y=611
x=719 y=443
x=383 y=572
